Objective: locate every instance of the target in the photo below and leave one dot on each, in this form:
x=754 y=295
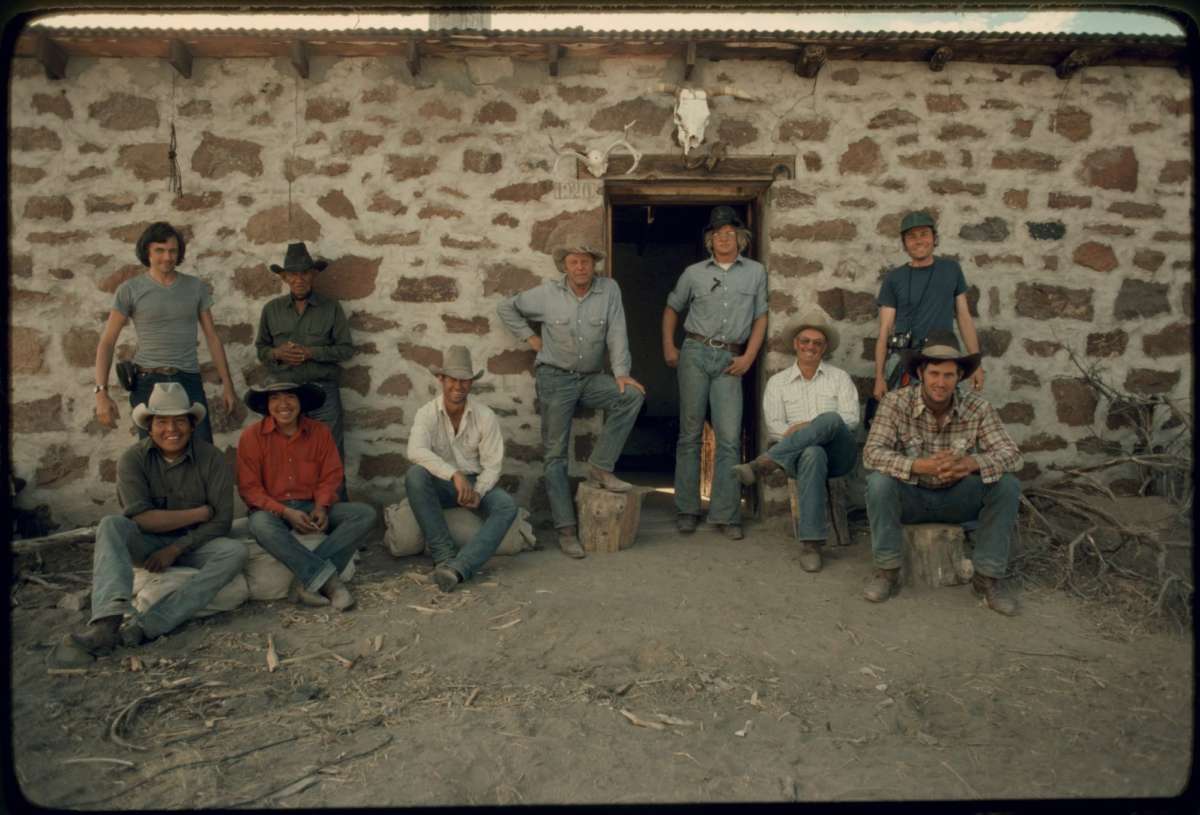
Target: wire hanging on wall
x=175 y=178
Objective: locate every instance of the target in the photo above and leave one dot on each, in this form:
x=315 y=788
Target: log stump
x=835 y=510
x=608 y=521
x=933 y=556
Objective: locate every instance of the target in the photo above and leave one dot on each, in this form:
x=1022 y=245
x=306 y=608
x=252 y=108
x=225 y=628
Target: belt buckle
x=715 y=343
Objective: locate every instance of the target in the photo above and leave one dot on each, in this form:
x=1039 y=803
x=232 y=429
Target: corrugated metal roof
x=579 y=33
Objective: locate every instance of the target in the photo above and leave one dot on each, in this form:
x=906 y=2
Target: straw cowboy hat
x=817 y=320
x=458 y=364
x=311 y=396
x=560 y=254
x=167 y=399
x=940 y=346
x=297 y=259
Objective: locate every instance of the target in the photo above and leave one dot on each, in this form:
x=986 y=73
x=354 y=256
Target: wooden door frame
x=751 y=192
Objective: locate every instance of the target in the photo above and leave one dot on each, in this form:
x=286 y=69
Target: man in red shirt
x=288 y=473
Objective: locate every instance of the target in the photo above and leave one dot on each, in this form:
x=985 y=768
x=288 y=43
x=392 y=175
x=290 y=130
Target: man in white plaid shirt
x=811 y=409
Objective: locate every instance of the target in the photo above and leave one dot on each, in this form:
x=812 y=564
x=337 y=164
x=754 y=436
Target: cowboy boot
x=882 y=585
x=568 y=542
x=606 y=480
x=749 y=472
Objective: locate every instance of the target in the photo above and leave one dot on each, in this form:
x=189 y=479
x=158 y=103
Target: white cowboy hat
x=458 y=364
x=167 y=399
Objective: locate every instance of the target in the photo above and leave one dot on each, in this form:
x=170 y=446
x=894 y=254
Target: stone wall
x=1068 y=204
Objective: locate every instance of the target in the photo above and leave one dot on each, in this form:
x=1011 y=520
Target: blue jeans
x=559 y=392
x=891 y=502
x=120 y=545
x=330 y=414
x=428 y=495
x=348 y=524
x=192 y=383
x=702 y=385
x=823 y=449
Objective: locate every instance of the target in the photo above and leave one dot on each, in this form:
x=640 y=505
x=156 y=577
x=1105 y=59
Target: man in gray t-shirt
x=166 y=307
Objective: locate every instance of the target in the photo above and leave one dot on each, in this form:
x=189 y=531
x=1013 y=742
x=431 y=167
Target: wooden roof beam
x=299 y=57
x=939 y=58
x=413 y=58
x=554 y=53
x=52 y=57
x=181 y=58
x=809 y=60
x=689 y=61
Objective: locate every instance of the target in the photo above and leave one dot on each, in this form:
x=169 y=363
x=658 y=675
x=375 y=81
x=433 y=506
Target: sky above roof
x=1052 y=22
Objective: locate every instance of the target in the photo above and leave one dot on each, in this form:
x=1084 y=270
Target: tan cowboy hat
x=167 y=399
x=940 y=346
x=458 y=364
x=560 y=254
x=311 y=396
x=816 y=319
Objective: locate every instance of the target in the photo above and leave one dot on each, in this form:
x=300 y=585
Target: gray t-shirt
x=166 y=319
x=923 y=298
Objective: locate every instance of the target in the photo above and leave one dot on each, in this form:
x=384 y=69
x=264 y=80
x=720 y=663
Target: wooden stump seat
x=933 y=556
x=835 y=510
x=608 y=521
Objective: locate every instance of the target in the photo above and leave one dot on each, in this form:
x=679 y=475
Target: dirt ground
x=759 y=682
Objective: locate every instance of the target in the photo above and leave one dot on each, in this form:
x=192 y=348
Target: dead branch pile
x=1074 y=530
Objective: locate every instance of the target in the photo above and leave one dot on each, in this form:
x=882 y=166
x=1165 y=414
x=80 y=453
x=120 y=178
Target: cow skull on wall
x=596 y=160
x=691 y=111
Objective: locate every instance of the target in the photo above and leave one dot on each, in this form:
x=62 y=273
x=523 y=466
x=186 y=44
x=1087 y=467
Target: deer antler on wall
x=596 y=160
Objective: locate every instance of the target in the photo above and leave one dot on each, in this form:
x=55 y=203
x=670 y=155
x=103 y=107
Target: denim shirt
x=575 y=329
x=721 y=304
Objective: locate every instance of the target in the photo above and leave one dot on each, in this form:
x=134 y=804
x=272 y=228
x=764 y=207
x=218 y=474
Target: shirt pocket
x=826 y=403
x=307 y=472
x=911 y=445
x=558 y=333
x=597 y=330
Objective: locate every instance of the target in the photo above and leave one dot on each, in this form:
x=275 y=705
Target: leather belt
x=164 y=371
x=721 y=345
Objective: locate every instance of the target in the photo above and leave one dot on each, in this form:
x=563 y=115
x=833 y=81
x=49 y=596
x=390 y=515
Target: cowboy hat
x=167 y=399
x=560 y=254
x=939 y=346
x=311 y=396
x=818 y=321
x=723 y=216
x=297 y=259
x=458 y=364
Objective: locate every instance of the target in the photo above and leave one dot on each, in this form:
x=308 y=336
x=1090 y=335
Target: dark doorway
x=651 y=246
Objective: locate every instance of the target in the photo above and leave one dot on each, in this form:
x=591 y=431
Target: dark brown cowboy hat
x=297 y=259
x=940 y=346
x=311 y=397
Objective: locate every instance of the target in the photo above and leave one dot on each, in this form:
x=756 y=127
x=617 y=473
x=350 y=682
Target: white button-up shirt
x=477 y=447
x=790 y=398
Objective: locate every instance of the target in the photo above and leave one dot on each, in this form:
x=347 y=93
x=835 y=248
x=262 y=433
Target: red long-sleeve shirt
x=272 y=467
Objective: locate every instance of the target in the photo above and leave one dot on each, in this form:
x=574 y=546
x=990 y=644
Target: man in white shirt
x=456 y=451
x=812 y=409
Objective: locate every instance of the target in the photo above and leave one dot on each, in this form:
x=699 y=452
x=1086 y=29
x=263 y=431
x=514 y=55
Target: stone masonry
x=1068 y=206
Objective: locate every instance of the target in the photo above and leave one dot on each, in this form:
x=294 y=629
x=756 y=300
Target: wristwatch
x=98 y=388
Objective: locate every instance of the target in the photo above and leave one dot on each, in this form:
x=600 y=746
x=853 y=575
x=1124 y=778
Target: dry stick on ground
x=276 y=790
x=126 y=714
x=181 y=766
x=85 y=534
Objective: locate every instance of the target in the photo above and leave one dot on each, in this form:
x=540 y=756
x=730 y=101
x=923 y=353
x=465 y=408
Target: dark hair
x=159 y=232
x=962 y=369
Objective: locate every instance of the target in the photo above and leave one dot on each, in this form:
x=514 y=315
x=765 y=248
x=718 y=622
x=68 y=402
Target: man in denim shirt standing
x=726 y=300
x=581 y=315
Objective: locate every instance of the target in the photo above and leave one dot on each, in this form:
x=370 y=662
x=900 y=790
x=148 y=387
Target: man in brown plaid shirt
x=941 y=456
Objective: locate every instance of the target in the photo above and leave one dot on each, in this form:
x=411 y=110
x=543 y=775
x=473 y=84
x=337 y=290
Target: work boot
x=298 y=594
x=749 y=472
x=882 y=585
x=100 y=637
x=339 y=596
x=132 y=634
x=810 y=555
x=996 y=594
x=568 y=541
x=686 y=524
x=606 y=480
x=733 y=531
x=446 y=578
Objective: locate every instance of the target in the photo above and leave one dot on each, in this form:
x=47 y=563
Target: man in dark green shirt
x=177 y=494
x=303 y=336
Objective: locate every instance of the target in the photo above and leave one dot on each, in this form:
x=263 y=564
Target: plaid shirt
x=904 y=430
